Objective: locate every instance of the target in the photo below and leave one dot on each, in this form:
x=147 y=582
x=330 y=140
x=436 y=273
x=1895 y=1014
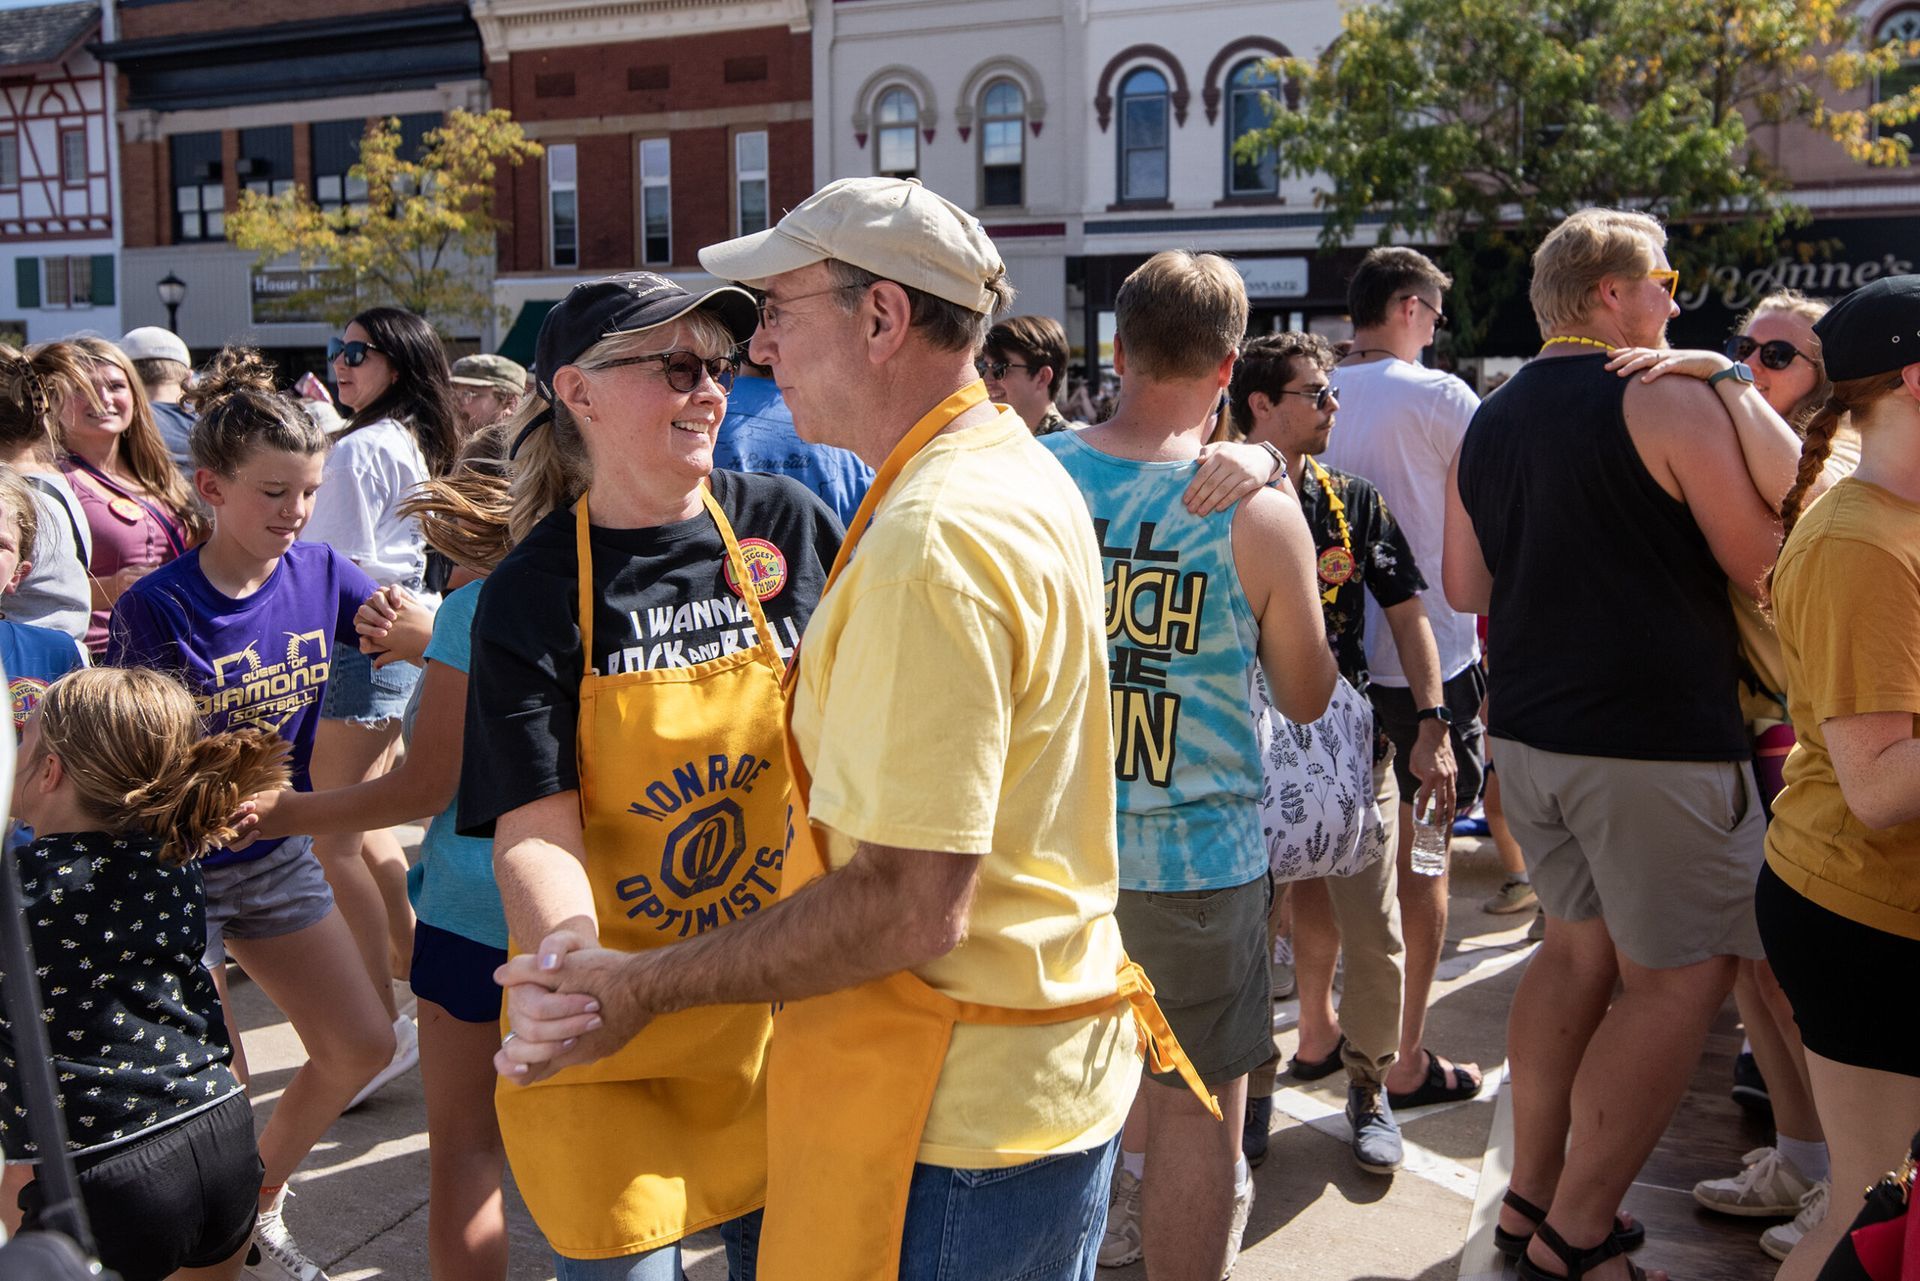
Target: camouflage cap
x=494 y=372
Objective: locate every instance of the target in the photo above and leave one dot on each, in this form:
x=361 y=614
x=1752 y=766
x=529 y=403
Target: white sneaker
x=1779 y=1240
x=274 y=1256
x=406 y=1053
x=1770 y=1186
x=1284 y=984
x=1237 y=1229
x=1121 y=1244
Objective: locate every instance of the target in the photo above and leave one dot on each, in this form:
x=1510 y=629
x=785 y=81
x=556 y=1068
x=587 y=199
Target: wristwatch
x=1280 y=461
x=1442 y=714
x=1739 y=371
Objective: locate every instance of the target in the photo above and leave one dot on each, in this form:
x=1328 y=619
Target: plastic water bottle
x=1429 y=840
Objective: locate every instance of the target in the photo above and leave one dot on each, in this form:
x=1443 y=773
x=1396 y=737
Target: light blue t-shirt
x=1181 y=647
x=757 y=435
x=452 y=886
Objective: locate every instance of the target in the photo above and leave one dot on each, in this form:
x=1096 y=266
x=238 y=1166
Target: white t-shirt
x=1399 y=426
x=369 y=473
x=55 y=591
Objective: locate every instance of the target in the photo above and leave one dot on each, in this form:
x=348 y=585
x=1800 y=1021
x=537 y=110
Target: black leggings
x=1851 y=986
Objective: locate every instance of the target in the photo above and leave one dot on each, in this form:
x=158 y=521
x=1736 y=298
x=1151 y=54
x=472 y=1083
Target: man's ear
x=1119 y=356
x=1259 y=404
x=886 y=314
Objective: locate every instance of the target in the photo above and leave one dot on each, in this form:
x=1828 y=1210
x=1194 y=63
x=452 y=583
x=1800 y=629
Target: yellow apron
x=851 y=1075
x=683 y=795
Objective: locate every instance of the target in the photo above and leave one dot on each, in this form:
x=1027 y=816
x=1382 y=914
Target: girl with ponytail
x=253 y=620
x=34 y=385
x=124 y=793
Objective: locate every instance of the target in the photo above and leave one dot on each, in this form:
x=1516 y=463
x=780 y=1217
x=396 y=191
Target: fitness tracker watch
x=1441 y=714
x=1739 y=371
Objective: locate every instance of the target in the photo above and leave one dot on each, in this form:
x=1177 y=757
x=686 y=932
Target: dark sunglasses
x=1775 y=355
x=1320 y=396
x=1440 y=320
x=683 y=369
x=997 y=368
x=355 y=352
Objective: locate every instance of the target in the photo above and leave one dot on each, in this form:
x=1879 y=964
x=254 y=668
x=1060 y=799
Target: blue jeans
x=1035 y=1222
x=741 y=1236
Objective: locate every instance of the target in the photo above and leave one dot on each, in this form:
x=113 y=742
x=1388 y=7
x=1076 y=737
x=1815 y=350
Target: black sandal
x=1579 y=1262
x=1631 y=1236
x=1313 y=1069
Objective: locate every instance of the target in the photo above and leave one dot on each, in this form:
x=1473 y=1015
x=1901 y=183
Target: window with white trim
x=896 y=142
x=1003 y=144
x=9 y=159
x=1143 y=135
x=656 y=201
x=73 y=157
x=66 y=282
x=750 y=182
x=563 y=206
x=1249 y=89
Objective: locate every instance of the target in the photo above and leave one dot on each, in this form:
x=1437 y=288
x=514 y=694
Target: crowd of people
x=872 y=811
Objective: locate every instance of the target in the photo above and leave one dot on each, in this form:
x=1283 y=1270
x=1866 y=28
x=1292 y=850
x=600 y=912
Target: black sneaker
x=1749 y=1087
x=1253 y=1134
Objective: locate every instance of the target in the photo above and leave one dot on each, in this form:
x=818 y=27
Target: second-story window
x=1904 y=27
x=563 y=207
x=656 y=201
x=1250 y=87
x=1003 y=144
x=9 y=159
x=897 y=141
x=266 y=160
x=336 y=149
x=750 y=181
x=73 y=157
x=199 y=200
x=1143 y=136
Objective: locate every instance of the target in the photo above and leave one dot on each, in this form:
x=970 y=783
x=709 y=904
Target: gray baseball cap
x=496 y=373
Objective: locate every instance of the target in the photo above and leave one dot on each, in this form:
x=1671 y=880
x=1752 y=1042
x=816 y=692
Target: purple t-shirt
x=262 y=661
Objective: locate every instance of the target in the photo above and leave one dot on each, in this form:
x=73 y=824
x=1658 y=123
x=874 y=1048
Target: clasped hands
x=569 y=1001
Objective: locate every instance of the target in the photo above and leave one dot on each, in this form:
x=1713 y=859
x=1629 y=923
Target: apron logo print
x=766 y=568
x=702 y=851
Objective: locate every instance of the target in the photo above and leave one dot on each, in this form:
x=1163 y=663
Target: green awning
x=518 y=344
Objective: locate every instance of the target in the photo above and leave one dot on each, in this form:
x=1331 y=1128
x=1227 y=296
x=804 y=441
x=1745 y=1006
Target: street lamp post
x=173 y=292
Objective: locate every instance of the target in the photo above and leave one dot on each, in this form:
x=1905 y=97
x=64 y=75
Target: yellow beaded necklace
x=1576 y=340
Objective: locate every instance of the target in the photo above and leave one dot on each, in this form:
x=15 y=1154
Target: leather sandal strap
x=1580 y=1262
x=1523 y=1207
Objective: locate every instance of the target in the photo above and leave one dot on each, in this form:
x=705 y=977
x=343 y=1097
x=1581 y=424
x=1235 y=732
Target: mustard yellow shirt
x=1846 y=600
x=953 y=696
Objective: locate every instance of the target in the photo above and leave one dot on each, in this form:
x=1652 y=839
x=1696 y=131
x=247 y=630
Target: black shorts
x=183 y=1197
x=1395 y=715
x=1840 y=977
x=456 y=973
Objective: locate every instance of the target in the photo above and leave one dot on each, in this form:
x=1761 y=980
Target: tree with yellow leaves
x=1479 y=124
x=422 y=239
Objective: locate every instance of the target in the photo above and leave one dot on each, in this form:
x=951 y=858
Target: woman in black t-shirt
x=623 y=748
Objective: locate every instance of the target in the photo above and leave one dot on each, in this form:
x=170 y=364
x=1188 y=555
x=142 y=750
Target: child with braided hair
x=124 y=794
x=254 y=619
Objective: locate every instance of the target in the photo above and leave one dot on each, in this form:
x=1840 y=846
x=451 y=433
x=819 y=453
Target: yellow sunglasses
x=1669 y=277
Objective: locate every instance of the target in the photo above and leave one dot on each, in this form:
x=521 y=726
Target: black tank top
x=1610 y=631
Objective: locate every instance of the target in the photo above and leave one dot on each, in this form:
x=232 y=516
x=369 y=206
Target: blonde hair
x=131 y=742
x=1585 y=248
x=143 y=452
x=16 y=496
x=465 y=514
x=552 y=469
x=1180 y=314
x=1795 y=303
x=240 y=410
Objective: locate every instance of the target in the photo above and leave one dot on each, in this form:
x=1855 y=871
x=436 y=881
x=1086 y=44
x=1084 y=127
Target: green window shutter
x=26 y=279
x=103 y=280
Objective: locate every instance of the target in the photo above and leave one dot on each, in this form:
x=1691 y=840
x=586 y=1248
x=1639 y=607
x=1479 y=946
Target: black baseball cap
x=629 y=303
x=1873 y=330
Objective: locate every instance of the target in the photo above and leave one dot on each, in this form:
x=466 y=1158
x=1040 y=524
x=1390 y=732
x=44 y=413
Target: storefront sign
x=288 y=295
x=1274 y=277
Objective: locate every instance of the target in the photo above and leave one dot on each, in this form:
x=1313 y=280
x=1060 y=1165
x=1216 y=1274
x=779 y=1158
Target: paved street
x=361 y=1201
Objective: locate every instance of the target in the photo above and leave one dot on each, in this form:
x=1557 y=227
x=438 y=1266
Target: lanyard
x=114 y=491
x=1335 y=570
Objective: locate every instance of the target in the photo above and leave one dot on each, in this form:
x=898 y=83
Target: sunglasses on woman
x=1776 y=355
x=354 y=353
x=683 y=369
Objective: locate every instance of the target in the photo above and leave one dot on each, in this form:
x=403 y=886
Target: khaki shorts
x=1205 y=952
x=1665 y=852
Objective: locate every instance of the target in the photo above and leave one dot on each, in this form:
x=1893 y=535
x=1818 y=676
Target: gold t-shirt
x=1847 y=605
x=953 y=696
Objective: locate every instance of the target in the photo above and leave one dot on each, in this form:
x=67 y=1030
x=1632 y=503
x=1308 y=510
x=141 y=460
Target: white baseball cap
x=892 y=227
x=150 y=342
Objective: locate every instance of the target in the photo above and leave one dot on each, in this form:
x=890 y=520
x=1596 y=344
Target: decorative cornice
x=1212 y=93
x=514 y=26
x=1160 y=56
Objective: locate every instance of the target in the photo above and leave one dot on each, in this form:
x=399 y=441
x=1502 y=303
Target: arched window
x=1003 y=144
x=1250 y=87
x=1143 y=135
x=897 y=140
x=1905 y=27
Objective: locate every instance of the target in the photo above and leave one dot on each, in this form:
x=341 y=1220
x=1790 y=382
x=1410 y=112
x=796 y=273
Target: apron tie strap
x=1157 y=1040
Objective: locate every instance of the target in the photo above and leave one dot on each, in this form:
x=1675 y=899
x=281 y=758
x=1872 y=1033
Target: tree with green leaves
x=423 y=238
x=1479 y=124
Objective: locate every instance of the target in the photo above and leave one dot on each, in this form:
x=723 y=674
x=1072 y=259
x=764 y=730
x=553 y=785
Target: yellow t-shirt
x=1847 y=603
x=953 y=696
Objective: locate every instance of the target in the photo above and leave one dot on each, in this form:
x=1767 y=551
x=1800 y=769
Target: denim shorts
x=456 y=973
x=740 y=1236
x=282 y=892
x=1040 y=1221
x=358 y=692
